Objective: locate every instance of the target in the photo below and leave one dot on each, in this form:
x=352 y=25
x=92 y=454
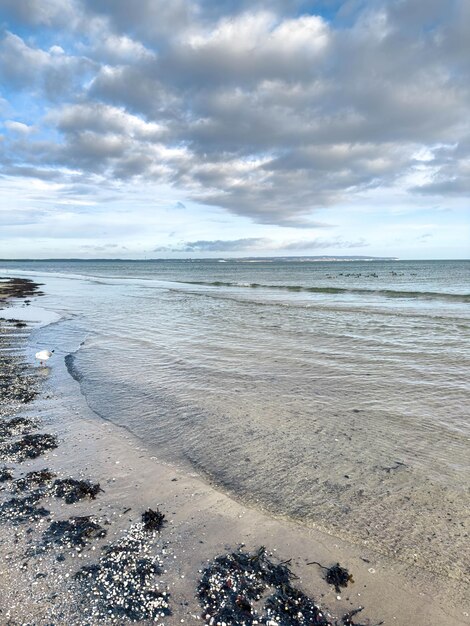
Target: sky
x=219 y=128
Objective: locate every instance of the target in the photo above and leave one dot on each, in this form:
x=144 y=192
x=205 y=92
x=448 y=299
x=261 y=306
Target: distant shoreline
x=286 y=259
x=260 y=259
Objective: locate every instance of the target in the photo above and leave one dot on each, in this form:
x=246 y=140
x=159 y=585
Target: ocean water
x=336 y=394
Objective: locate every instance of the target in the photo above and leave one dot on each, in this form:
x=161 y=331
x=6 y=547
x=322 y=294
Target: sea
x=335 y=394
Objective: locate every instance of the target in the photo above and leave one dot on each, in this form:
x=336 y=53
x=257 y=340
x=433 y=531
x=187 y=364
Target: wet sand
x=201 y=524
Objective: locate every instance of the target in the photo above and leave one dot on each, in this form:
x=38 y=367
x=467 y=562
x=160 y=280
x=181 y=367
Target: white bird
x=43 y=355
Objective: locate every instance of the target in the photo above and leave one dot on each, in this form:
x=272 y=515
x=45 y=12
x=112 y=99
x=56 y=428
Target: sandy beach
x=39 y=561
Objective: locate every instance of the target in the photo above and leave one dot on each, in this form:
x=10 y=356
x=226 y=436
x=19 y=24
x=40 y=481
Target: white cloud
x=18 y=127
x=267 y=113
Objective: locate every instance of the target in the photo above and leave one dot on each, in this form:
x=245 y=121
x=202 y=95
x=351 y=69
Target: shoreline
x=202 y=523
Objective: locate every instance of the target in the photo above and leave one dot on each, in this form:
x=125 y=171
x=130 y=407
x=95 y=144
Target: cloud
x=49 y=13
x=18 y=127
x=23 y=67
x=266 y=110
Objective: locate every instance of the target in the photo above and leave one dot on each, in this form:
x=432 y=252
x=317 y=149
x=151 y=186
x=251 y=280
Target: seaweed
x=17 y=510
x=347 y=619
x=34 y=479
x=122 y=584
x=5 y=474
x=21 y=287
x=153 y=520
x=242 y=589
x=234 y=584
x=28 y=447
x=16 y=426
x=72 y=490
x=76 y=531
x=335 y=575
x=15 y=386
x=290 y=606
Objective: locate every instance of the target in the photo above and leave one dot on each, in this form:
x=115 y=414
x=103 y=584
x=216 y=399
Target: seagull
x=44 y=355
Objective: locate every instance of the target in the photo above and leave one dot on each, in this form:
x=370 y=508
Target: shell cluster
x=122 y=585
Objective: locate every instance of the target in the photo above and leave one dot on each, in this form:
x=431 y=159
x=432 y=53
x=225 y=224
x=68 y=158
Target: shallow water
x=334 y=393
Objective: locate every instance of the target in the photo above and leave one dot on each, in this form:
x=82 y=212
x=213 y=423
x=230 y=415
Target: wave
x=387 y=293
x=72 y=368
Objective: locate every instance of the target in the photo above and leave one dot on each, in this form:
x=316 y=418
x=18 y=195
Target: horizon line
x=244 y=258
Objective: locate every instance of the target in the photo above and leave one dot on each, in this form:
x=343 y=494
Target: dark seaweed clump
x=16 y=426
x=34 y=479
x=348 y=621
x=17 y=510
x=16 y=384
x=29 y=447
x=72 y=490
x=153 y=520
x=122 y=584
x=21 y=287
x=235 y=584
x=76 y=531
x=5 y=474
x=338 y=576
x=335 y=575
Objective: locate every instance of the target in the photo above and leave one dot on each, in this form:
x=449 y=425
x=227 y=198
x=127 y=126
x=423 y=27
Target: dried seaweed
x=347 y=619
x=153 y=520
x=76 y=531
x=34 y=479
x=17 y=510
x=5 y=474
x=21 y=287
x=241 y=589
x=234 y=585
x=15 y=384
x=335 y=575
x=28 y=447
x=72 y=490
x=16 y=426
